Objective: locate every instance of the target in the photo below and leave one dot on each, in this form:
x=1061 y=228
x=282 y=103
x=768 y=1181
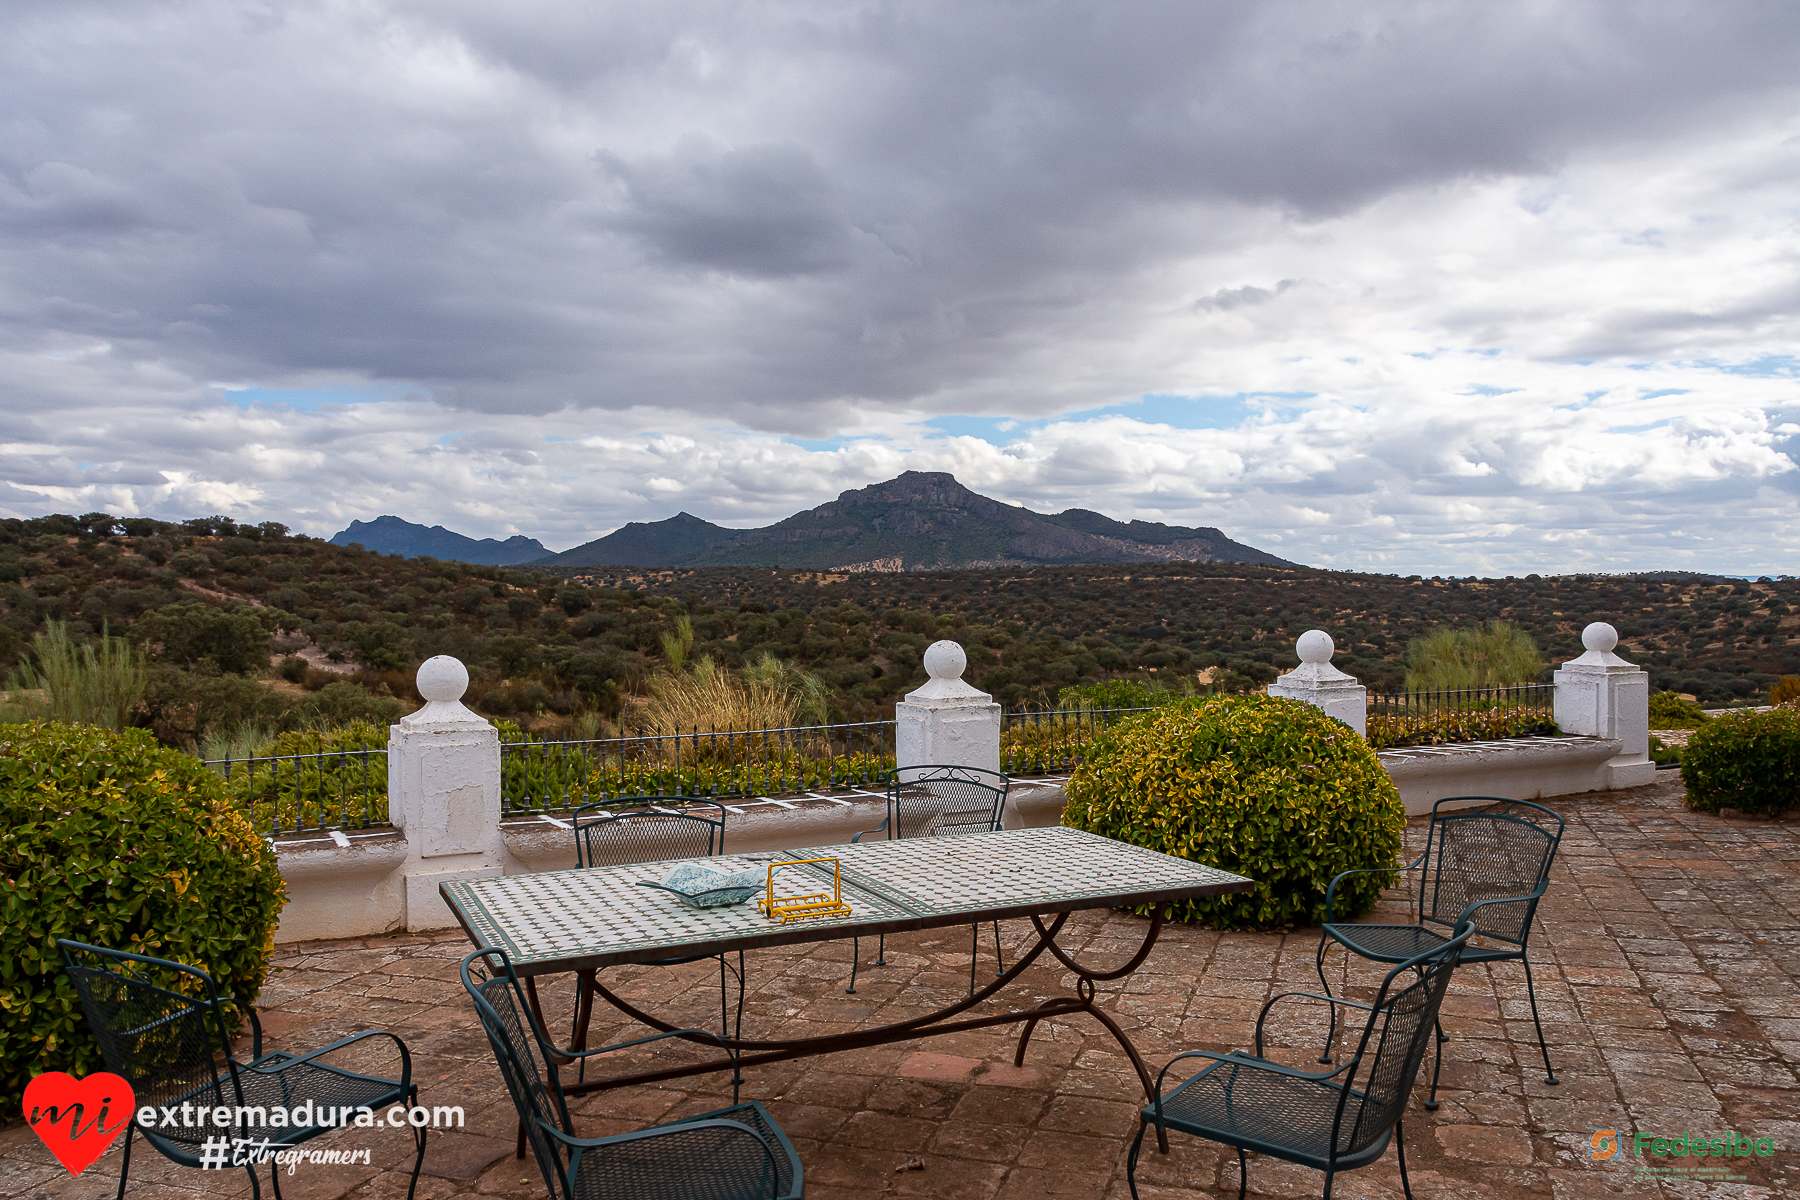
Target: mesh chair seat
x=737 y=1167
x=1397 y=943
x=329 y=1088
x=1240 y=1104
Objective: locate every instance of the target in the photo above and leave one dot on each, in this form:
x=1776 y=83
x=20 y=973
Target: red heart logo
x=78 y=1118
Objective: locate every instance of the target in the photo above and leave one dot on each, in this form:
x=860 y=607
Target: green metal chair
x=635 y=829
x=1316 y=1118
x=736 y=1153
x=164 y=1028
x=1489 y=866
x=939 y=801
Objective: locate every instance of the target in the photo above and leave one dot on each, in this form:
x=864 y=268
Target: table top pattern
x=576 y=913
x=601 y=914
x=1014 y=868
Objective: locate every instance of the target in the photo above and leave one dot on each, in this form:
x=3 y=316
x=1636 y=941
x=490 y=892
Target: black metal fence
x=1451 y=715
x=295 y=793
x=1529 y=696
x=1052 y=741
x=557 y=776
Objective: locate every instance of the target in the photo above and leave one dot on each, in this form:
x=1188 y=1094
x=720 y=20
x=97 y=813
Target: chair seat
x=649 y=1171
x=1397 y=943
x=329 y=1088
x=1239 y=1104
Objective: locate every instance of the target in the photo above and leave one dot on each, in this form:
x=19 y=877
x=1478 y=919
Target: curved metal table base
x=751 y=1052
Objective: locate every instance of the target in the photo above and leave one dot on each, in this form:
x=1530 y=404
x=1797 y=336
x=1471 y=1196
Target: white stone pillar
x=444 y=793
x=1602 y=695
x=1322 y=685
x=947 y=722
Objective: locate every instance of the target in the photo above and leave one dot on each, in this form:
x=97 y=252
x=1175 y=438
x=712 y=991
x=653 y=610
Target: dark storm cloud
x=750 y=210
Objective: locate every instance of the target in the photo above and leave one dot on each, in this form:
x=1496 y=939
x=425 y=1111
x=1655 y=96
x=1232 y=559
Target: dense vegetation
x=249 y=623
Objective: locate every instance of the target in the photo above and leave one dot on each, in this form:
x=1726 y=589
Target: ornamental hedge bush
x=111 y=839
x=1262 y=786
x=1749 y=761
x=1670 y=711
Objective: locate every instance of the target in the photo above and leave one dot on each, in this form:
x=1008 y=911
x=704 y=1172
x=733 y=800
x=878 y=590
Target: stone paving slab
x=1666 y=965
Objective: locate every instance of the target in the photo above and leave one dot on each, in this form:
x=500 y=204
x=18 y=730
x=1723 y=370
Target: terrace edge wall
x=444 y=787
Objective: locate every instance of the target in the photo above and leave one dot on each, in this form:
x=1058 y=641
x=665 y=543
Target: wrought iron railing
x=295 y=793
x=1451 y=715
x=554 y=776
x=1051 y=741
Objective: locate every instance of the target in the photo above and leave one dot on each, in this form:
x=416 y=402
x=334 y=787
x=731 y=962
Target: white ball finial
x=1600 y=636
x=443 y=678
x=945 y=660
x=1315 y=646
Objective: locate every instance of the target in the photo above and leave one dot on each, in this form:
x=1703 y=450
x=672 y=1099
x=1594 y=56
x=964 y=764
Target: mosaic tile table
x=582 y=920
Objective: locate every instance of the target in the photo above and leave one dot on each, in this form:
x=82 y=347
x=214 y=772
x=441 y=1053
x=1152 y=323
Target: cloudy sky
x=1438 y=287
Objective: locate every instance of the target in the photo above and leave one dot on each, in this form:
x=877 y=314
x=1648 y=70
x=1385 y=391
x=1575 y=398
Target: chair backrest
x=159 y=1026
x=499 y=1002
x=1393 y=1044
x=938 y=801
x=1503 y=849
x=648 y=829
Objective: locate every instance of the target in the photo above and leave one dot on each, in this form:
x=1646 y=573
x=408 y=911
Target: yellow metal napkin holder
x=805 y=908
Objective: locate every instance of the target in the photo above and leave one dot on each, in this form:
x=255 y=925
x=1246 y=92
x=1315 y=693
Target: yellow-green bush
x=1262 y=786
x=111 y=839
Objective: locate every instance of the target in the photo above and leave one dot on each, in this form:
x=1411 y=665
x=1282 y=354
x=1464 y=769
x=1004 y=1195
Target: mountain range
x=919 y=520
x=391 y=535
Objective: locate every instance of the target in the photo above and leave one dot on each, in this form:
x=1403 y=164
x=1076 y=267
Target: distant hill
x=919 y=521
x=391 y=535
x=678 y=540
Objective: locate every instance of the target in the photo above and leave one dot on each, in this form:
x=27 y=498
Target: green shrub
x=1669 y=711
x=1259 y=785
x=1117 y=693
x=1748 y=761
x=110 y=839
x=1663 y=754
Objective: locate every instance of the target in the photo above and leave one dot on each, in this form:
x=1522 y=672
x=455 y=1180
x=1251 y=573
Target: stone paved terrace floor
x=1667 y=964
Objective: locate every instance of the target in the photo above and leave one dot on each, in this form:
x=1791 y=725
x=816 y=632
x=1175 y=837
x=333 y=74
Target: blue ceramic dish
x=703 y=886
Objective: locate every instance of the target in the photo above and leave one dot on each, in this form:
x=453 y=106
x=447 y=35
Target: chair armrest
x=255 y=1023
x=1264 y=1014
x=1331 y=890
x=1536 y=893
x=405 y=1058
x=1239 y=1058
x=884 y=824
x=577 y=1147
